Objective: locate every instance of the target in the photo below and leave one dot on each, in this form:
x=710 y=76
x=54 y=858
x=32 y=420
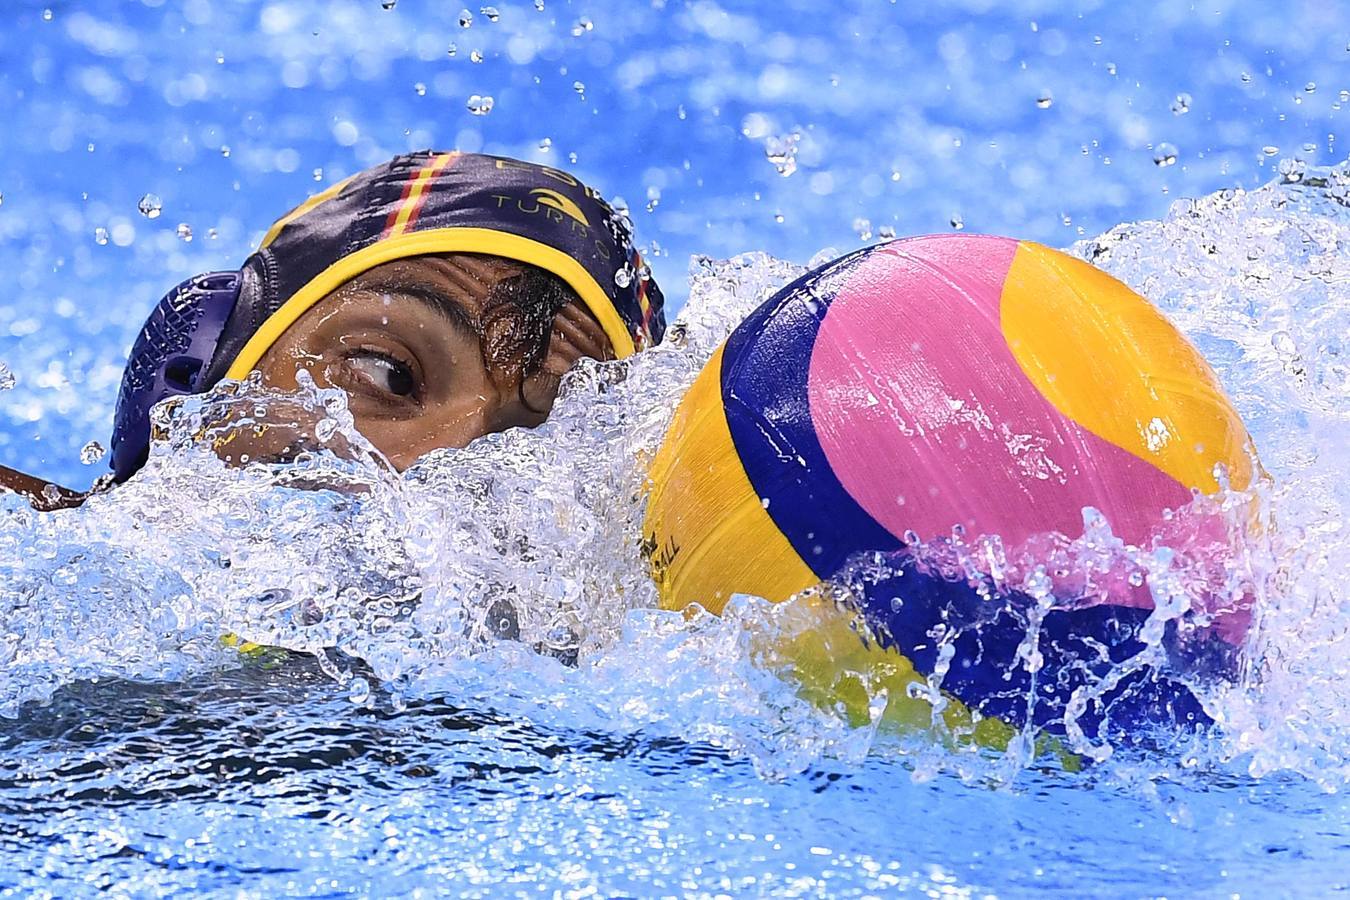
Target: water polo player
x=445 y=293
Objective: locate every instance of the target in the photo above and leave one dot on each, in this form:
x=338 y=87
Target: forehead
x=464 y=278
x=455 y=287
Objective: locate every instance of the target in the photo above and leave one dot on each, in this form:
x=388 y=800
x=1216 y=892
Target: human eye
x=383 y=373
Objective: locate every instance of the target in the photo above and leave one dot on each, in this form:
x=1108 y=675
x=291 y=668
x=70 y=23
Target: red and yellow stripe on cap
x=415 y=192
x=643 y=335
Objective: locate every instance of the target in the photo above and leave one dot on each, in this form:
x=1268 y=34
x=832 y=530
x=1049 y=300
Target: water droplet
x=1310 y=88
x=211 y=234
x=358 y=691
x=781 y=150
x=580 y=88
x=326 y=428
x=1246 y=77
x=1283 y=342
x=465 y=18
x=489 y=12
x=388 y=4
x=480 y=106
x=623 y=278
x=1292 y=170
x=2 y=199
x=1164 y=155
x=1181 y=105
x=863 y=227
x=778 y=217
x=46 y=15
x=582 y=26
x=886 y=232
x=572 y=157
x=1270 y=149
x=150 y=206
x=476 y=56
x=895 y=175
x=184 y=232
x=451 y=50
x=1045 y=100
x=91 y=453
x=225 y=150
x=1097 y=39
x=7 y=379
x=420 y=89
x=539 y=5
x=220 y=58
x=318 y=174
x=1110 y=68
x=546 y=145
x=957 y=222
x=101 y=236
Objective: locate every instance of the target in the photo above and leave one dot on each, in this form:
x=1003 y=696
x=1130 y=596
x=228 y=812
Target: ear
x=575 y=335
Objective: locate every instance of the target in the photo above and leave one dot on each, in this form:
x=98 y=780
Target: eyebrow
x=440 y=302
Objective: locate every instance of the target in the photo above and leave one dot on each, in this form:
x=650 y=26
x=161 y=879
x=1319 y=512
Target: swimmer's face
x=403 y=341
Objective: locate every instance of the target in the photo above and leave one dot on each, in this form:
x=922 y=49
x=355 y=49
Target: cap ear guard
x=170 y=357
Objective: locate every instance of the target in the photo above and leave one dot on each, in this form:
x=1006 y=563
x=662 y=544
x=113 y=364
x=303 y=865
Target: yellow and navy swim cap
x=219 y=325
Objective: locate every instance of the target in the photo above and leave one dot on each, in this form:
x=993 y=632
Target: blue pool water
x=1191 y=150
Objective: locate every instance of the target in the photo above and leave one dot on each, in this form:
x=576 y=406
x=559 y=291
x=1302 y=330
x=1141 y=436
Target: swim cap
x=220 y=325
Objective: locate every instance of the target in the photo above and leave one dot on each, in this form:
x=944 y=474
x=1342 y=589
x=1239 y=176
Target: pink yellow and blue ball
x=981 y=382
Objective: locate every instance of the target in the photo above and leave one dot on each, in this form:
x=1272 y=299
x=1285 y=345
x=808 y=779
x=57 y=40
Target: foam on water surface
x=1260 y=281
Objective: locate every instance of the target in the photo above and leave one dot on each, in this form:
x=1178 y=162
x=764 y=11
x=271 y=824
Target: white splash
x=480 y=572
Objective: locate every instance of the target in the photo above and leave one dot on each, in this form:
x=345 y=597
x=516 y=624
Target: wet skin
x=403 y=341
